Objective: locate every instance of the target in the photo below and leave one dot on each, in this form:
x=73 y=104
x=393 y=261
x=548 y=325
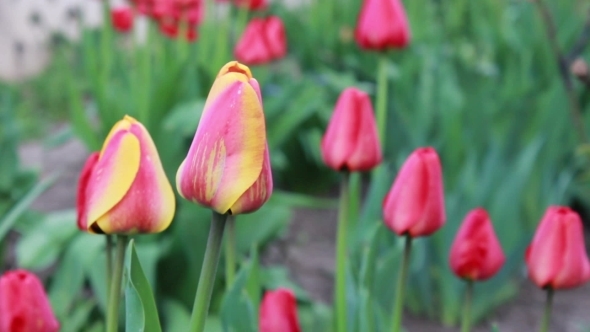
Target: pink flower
x=263 y=40
x=382 y=24
x=278 y=312
x=557 y=256
x=122 y=18
x=415 y=203
x=24 y=306
x=351 y=141
x=476 y=253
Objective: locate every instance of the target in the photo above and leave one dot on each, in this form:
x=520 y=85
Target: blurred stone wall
x=28 y=26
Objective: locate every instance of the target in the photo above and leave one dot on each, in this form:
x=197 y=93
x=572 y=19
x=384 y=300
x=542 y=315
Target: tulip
x=122 y=18
x=248 y=4
x=476 y=253
x=557 y=256
x=351 y=141
x=124 y=190
x=263 y=40
x=382 y=24
x=278 y=312
x=228 y=167
x=24 y=306
x=415 y=203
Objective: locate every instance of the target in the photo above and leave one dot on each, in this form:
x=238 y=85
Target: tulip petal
x=113 y=174
x=227 y=153
x=81 y=197
x=258 y=193
x=150 y=188
x=575 y=268
x=544 y=256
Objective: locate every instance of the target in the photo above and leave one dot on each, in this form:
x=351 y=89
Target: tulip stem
x=230 y=251
x=341 y=245
x=115 y=289
x=109 y=249
x=466 y=320
x=208 y=271
x=401 y=285
x=382 y=98
x=547 y=314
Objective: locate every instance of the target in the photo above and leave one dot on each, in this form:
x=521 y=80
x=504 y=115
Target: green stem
x=466 y=323
x=230 y=252
x=208 y=271
x=115 y=289
x=547 y=314
x=401 y=285
x=109 y=249
x=341 y=245
x=381 y=110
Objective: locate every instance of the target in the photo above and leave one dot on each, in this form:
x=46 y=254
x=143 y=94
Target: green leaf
x=262 y=226
x=142 y=313
x=8 y=220
x=177 y=316
x=237 y=310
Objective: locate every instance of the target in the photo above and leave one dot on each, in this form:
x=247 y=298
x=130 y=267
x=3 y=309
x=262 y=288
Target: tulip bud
x=557 y=256
x=24 y=306
x=476 y=253
x=382 y=24
x=278 y=312
x=122 y=18
x=228 y=167
x=415 y=203
x=351 y=141
x=124 y=189
x=263 y=40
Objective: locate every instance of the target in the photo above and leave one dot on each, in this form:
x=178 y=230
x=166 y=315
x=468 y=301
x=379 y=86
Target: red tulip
x=415 y=203
x=122 y=18
x=351 y=141
x=176 y=15
x=476 y=253
x=263 y=40
x=382 y=24
x=24 y=306
x=250 y=4
x=557 y=256
x=278 y=312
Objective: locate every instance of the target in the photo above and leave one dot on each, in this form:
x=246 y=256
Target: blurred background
x=500 y=88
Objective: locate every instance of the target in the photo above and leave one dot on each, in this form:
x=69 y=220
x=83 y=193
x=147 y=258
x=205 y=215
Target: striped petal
x=113 y=175
x=258 y=193
x=149 y=204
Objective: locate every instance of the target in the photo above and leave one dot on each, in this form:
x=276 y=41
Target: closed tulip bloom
x=415 y=203
x=249 y=4
x=557 y=256
x=263 y=40
x=351 y=142
x=278 y=312
x=124 y=189
x=476 y=253
x=122 y=18
x=24 y=306
x=228 y=167
x=382 y=24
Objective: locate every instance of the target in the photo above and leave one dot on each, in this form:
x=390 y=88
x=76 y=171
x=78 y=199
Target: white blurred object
x=26 y=27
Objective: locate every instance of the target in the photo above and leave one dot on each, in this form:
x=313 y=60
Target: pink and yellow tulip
x=123 y=189
x=228 y=167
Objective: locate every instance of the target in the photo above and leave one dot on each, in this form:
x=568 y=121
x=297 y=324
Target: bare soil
x=308 y=251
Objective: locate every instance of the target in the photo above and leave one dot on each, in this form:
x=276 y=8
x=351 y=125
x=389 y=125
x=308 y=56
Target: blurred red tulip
x=382 y=24
x=263 y=40
x=278 y=312
x=250 y=4
x=557 y=256
x=476 y=253
x=24 y=306
x=415 y=204
x=351 y=142
x=122 y=18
